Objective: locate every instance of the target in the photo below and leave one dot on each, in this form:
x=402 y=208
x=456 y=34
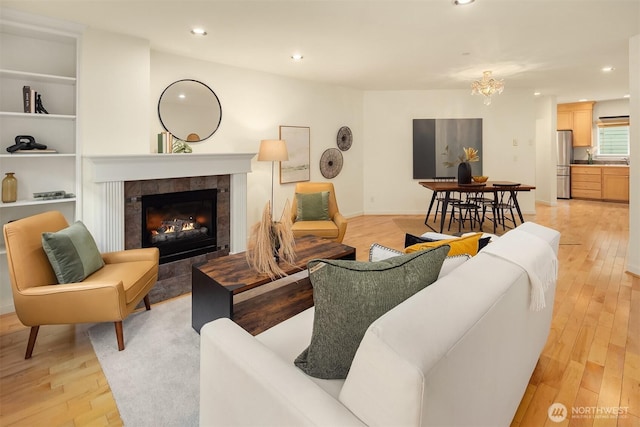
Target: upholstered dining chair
x=110 y=294
x=314 y=211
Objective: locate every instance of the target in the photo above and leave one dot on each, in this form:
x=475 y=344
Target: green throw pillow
x=349 y=295
x=312 y=206
x=72 y=252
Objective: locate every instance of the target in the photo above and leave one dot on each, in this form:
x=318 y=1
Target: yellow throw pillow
x=458 y=246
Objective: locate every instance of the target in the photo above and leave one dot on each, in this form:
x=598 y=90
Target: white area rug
x=155 y=379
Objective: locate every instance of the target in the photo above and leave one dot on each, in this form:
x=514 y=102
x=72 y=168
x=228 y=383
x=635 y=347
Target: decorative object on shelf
x=487 y=86
x=25 y=143
x=331 y=163
x=9 y=188
x=268 y=239
x=53 y=195
x=272 y=150
x=189 y=108
x=297 y=168
x=345 y=138
x=39 y=107
x=181 y=147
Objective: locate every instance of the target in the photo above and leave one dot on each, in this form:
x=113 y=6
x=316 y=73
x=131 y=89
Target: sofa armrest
x=341 y=223
x=243 y=383
x=130 y=255
x=72 y=303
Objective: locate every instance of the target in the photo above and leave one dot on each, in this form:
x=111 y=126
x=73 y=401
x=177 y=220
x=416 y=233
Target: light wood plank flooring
x=591 y=360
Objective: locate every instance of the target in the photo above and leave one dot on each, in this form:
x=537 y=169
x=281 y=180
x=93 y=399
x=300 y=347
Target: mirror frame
x=216 y=104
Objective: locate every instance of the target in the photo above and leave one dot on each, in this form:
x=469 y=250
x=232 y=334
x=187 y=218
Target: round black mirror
x=190 y=110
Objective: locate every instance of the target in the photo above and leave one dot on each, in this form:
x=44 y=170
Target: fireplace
x=181 y=224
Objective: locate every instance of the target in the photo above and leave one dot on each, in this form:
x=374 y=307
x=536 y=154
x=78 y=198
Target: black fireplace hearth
x=181 y=224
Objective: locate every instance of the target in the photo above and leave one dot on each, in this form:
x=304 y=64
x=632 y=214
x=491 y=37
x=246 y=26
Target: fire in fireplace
x=181 y=224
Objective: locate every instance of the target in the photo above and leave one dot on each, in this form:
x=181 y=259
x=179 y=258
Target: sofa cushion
x=72 y=252
x=327 y=229
x=410 y=239
x=377 y=252
x=312 y=206
x=349 y=295
x=458 y=245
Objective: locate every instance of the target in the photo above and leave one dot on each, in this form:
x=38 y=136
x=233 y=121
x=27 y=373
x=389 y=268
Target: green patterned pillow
x=349 y=295
x=72 y=252
x=312 y=206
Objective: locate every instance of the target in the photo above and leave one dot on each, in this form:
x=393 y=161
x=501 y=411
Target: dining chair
x=504 y=202
x=440 y=198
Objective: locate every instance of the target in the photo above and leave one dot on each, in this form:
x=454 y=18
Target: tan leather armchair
x=108 y=295
x=333 y=229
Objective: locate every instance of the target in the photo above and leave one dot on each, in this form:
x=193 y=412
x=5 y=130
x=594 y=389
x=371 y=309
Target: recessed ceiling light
x=182 y=96
x=582 y=100
x=627 y=96
x=536 y=94
x=198 y=32
x=297 y=57
x=462 y=2
x=607 y=69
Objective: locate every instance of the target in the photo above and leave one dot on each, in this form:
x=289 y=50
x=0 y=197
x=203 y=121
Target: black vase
x=464 y=173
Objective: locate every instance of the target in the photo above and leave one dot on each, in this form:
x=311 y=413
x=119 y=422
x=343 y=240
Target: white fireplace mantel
x=109 y=172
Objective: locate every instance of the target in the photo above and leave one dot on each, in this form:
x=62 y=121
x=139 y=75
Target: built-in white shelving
x=42 y=54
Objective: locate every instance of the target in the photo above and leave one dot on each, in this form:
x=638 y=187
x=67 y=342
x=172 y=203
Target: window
x=613 y=139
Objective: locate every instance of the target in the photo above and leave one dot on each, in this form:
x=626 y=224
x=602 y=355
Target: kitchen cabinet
x=577 y=117
x=610 y=183
x=615 y=183
x=46 y=61
x=586 y=182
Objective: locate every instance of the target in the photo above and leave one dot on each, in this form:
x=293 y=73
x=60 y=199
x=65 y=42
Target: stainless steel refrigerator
x=564 y=141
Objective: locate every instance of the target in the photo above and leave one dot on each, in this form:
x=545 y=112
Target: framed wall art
x=438 y=145
x=298 y=167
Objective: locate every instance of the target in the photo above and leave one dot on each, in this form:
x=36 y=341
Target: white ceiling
x=555 y=47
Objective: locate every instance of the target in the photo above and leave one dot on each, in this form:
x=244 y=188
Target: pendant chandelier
x=487 y=86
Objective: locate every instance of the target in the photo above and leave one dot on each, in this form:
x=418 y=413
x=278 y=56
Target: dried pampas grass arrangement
x=268 y=239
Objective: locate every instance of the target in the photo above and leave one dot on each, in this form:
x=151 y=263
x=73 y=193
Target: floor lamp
x=273 y=150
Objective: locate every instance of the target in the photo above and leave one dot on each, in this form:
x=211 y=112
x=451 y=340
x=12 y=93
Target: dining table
x=486 y=187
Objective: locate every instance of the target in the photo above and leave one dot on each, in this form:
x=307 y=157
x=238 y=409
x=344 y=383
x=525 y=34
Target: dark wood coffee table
x=215 y=282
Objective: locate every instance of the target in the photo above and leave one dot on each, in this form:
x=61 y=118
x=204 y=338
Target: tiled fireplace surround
x=121 y=181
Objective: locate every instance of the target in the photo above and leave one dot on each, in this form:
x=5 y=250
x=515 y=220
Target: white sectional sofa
x=458 y=353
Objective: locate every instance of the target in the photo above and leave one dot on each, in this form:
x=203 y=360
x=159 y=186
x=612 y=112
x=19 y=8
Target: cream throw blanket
x=532 y=254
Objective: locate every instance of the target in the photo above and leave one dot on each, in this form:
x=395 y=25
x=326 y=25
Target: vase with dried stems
x=268 y=240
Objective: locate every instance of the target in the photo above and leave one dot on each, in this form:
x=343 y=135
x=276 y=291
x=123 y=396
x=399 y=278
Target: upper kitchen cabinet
x=577 y=117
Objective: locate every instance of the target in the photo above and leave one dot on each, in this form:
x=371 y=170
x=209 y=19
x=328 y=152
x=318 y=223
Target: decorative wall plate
x=345 y=138
x=331 y=163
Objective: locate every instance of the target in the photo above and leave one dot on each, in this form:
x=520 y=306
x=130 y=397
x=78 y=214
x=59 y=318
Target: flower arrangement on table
x=590 y=152
x=470 y=154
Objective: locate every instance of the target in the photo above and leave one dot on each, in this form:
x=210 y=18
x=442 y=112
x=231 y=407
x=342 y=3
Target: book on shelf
x=26 y=98
x=36 y=151
x=32 y=101
x=165 y=142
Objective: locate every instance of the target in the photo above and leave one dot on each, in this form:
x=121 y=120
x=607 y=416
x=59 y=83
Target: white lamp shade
x=273 y=150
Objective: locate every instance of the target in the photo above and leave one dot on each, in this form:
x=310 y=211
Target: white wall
x=113 y=107
x=546 y=172
x=254 y=105
x=122 y=80
x=633 y=254
x=389 y=187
